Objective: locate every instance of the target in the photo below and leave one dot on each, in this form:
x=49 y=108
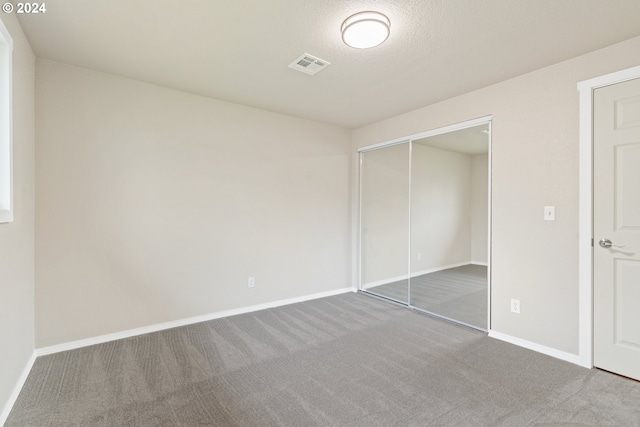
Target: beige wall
x=17 y=238
x=479 y=208
x=156 y=205
x=534 y=163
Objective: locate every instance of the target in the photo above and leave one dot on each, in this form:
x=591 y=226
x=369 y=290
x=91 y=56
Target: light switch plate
x=549 y=213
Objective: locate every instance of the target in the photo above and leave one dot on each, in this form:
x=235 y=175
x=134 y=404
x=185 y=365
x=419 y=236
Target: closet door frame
x=409 y=140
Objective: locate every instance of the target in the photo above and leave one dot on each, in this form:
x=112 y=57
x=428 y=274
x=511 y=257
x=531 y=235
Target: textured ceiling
x=239 y=50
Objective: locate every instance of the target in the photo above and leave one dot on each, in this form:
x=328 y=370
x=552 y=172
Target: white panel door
x=616 y=210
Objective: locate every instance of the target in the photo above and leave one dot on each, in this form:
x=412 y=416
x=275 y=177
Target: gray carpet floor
x=459 y=293
x=347 y=360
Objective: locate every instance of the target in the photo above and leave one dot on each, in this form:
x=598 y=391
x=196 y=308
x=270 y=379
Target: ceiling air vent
x=309 y=64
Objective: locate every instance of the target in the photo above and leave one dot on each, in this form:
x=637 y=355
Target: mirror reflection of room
x=448 y=230
x=385 y=221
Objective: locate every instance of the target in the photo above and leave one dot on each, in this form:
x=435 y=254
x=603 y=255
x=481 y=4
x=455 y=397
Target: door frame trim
x=585 y=240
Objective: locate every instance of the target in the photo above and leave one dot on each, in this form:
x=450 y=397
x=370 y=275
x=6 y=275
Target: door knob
x=606 y=243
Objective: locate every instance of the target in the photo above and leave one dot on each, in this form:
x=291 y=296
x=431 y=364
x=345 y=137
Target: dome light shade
x=365 y=29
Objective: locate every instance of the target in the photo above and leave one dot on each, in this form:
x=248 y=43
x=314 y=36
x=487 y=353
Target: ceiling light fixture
x=365 y=29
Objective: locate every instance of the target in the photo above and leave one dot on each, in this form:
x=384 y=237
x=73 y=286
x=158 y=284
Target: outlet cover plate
x=515 y=306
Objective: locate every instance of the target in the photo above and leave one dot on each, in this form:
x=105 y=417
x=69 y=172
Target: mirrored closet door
x=449 y=225
x=424 y=207
x=384 y=199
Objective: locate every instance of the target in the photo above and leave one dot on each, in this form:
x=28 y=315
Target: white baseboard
x=484 y=264
x=414 y=274
x=558 y=354
x=16 y=389
x=182 y=322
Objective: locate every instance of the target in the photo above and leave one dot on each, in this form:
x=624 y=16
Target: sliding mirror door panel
x=384 y=213
x=449 y=197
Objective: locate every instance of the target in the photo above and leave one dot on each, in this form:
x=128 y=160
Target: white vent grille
x=309 y=64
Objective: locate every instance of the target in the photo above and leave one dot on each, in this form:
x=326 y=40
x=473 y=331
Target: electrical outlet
x=251 y=282
x=419 y=255
x=515 y=306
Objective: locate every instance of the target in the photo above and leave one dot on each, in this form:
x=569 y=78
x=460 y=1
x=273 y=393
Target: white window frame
x=6 y=126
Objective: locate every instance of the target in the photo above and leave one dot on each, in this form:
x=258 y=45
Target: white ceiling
x=239 y=50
